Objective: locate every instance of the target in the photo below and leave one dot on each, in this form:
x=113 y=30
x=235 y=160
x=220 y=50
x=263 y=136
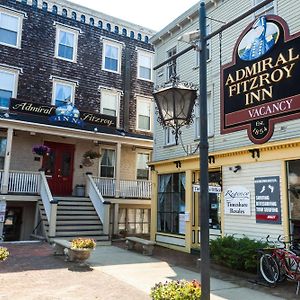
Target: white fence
x=23 y=182
x=128 y=188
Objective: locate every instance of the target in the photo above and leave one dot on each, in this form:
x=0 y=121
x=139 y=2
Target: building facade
x=76 y=120
x=253 y=121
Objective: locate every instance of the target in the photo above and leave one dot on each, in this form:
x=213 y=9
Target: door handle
x=59 y=176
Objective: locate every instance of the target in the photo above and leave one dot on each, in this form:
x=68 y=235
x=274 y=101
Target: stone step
x=79 y=222
x=78 y=232
x=96 y=237
x=79 y=227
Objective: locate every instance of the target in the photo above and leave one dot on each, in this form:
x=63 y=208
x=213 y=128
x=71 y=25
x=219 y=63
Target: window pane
x=8 y=37
x=144 y=108
x=145 y=61
x=111 y=52
x=109 y=103
x=8 y=22
x=66 y=38
x=63 y=94
x=65 y=52
x=142 y=167
x=107 y=163
x=145 y=73
x=6 y=81
x=109 y=112
x=144 y=123
x=4 y=98
x=111 y=64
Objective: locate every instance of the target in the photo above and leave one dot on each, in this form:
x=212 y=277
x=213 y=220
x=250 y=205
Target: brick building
x=75 y=120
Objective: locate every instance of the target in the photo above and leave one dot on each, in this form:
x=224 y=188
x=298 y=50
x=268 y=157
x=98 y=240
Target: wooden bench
x=147 y=245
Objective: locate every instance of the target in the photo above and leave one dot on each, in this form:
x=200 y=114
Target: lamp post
x=169 y=117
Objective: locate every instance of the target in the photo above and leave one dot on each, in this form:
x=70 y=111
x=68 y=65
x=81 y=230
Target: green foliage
x=83 y=243
x=91 y=154
x=238 y=254
x=3 y=253
x=176 y=290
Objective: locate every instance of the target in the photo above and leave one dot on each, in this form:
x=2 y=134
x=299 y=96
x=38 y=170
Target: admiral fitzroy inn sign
x=261 y=86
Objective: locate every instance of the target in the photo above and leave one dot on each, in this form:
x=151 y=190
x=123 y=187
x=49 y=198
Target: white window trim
x=210 y=133
x=115 y=93
x=255 y=15
x=140 y=98
x=151 y=56
x=20 y=16
x=16 y=73
x=66 y=82
x=117 y=45
x=136 y=163
x=167 y=65
x=165 y=134
x=73 y=31
x=108 y=147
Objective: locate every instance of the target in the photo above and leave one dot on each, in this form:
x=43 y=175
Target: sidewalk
x=32 y=272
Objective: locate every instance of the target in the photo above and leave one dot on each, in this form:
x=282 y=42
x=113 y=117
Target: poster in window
x=267 y=200
x=182 y=223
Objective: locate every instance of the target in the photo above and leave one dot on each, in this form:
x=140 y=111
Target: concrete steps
x=76 y=217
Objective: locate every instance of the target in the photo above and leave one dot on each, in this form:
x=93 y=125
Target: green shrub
x=234 y=253
x=176 y=290
x=3 y=253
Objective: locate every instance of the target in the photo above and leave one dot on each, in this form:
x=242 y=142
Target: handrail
x=101 y=206
x=49 y=203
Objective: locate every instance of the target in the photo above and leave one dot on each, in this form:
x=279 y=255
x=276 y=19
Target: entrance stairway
x=76 y=217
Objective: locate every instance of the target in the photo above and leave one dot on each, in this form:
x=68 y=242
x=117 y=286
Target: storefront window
x=171 y=202
x=293 y=171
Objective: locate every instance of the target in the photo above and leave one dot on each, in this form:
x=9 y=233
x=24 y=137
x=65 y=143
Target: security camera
x=236 y=168
x=190 y=37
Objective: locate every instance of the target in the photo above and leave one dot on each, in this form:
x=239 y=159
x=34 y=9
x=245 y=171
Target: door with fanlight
x=58 y=166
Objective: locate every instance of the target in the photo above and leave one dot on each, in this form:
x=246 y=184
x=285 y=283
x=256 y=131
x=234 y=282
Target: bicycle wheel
x=269 y=268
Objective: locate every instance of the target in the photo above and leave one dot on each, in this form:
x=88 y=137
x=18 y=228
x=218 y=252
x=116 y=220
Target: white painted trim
x=67 y=29
x=117 y=104
x=64 y=82
x=170 y=240
x=172 y=143
x=20 y=16
x=113 y=43
x=263 y=11
x=15 y=73
x=149 y=55
x=147 y=100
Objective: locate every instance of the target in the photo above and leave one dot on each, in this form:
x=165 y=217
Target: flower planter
x=79 y=255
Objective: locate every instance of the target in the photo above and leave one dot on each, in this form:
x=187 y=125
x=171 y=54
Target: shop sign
x=66 y=114
x=182 y=221
x=2 y=211
x=260 y=87
x=212 y=189
x=237 y=201
x=267 y=200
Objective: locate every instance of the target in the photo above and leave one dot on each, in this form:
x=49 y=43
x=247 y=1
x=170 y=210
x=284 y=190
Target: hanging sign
x=267 y=200
x=67 y=115
x=237 y=201
x=260 y=87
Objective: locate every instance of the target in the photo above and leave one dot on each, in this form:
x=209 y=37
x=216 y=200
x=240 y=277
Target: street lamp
x=175 y=105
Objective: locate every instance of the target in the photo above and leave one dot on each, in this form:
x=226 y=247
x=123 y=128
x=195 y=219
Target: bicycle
x=279 y=264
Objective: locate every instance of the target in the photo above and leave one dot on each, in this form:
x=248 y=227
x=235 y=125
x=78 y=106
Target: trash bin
x=80 y=190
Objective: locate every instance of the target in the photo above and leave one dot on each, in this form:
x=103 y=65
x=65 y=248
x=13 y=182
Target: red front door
x=58 y=166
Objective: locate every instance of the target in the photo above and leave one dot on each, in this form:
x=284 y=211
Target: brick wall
x=36 y=57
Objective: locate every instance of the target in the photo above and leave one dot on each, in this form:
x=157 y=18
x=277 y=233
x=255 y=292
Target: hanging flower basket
x=41 y=150
x=91 y=154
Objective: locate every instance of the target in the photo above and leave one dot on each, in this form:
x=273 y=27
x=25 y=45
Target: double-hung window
x=63 y=92
x=109 y=102
x=266 y=10
x=145 y=65
x=66 y=43
x=171 y=68
x=8 y=87
x=108 y=158
x=144 y=114
x=169 y=136
x=142 y=167
x=111 y=56
x=10 y=28
x=210 y=120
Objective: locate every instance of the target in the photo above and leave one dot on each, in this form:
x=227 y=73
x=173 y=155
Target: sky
x=153 y=14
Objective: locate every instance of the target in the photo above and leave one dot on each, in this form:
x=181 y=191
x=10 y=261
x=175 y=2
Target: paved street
x=32 y=272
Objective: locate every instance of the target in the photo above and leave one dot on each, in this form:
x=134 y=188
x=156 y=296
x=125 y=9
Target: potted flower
x=81 y=249
x=88 y=157
x=3 y=253
x=40 y=150
x=176 y=289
